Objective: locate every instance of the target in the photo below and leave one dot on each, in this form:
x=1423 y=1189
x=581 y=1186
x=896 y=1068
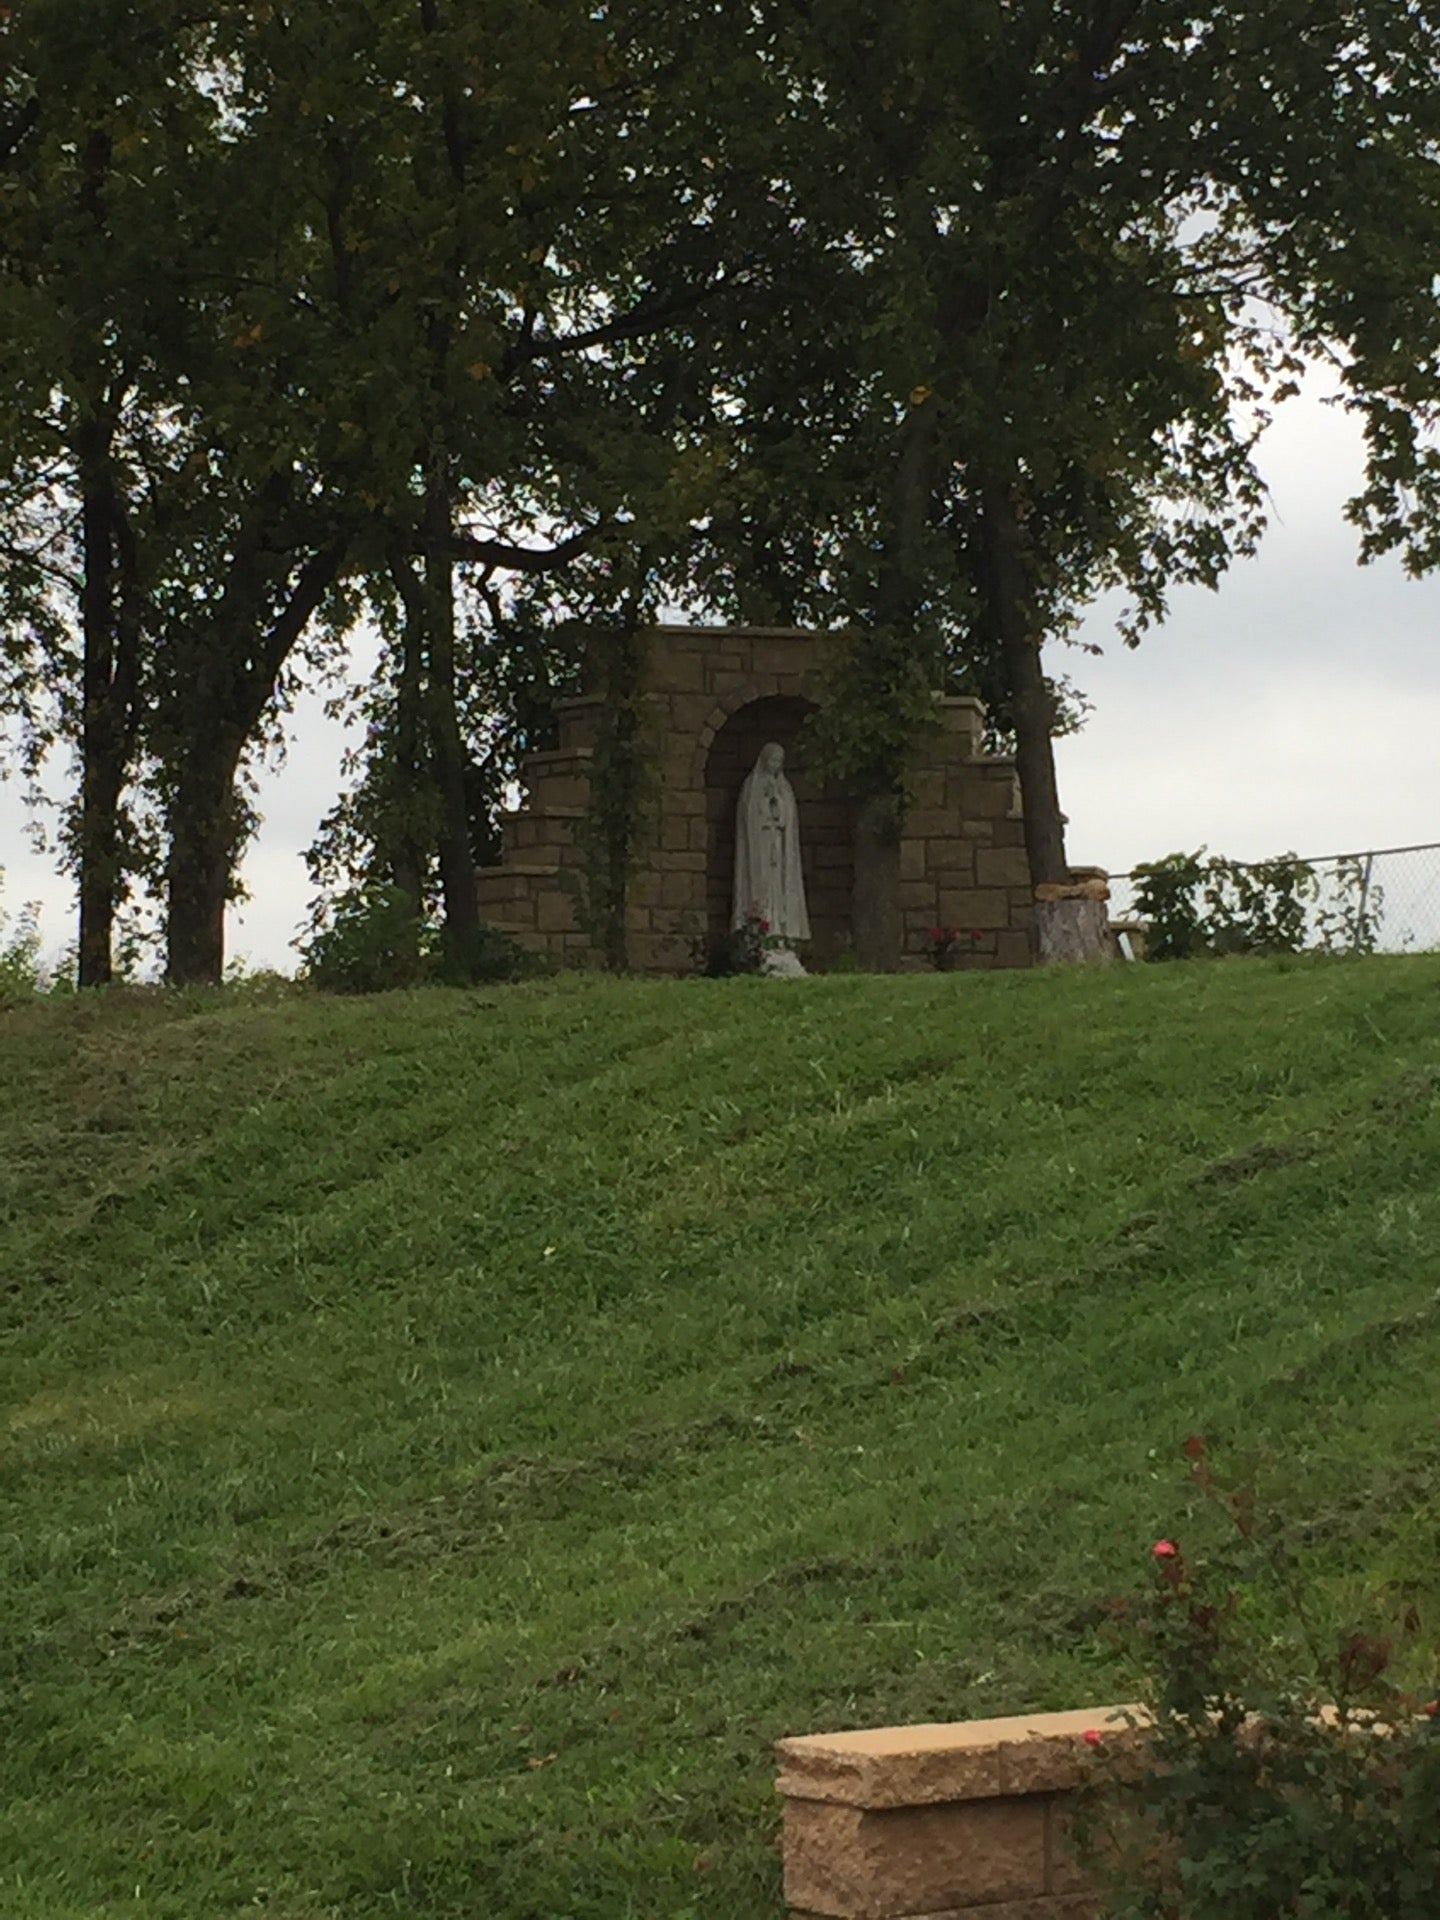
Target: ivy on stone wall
x=878 y=704
x=622 y=786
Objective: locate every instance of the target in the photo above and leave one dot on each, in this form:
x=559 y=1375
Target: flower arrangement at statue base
x=750 y=947
x=947 y=948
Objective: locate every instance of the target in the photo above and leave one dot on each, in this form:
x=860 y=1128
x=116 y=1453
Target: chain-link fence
x=1386 y=900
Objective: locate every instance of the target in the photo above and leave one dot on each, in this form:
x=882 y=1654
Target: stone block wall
x=939 y=1822
x=962 y=861
x=714 y=696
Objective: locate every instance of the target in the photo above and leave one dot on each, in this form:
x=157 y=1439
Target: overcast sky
x=1296 y=709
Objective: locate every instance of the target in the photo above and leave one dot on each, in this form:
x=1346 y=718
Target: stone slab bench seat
x=941 y=1821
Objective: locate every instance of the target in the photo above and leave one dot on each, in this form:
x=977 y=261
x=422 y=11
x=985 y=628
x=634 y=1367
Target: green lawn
x=447 y=1438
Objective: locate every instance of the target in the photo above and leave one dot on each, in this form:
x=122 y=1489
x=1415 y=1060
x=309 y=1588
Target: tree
x=531 y=249
x=196 y=543
x=90 y=114
x=1075 y=253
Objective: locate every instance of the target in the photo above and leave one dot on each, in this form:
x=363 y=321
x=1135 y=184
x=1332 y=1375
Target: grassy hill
x=447 y=1438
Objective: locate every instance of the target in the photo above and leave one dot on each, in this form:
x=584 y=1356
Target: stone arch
x=827 y=834
x=804 y=688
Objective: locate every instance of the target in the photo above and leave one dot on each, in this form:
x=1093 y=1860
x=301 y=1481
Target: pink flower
x=1165 y=1550
x=1092 y=1736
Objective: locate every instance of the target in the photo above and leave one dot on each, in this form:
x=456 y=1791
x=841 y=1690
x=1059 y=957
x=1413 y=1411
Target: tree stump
x=1073 y=924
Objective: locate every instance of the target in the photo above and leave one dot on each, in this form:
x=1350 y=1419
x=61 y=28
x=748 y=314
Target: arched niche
x=827 y=834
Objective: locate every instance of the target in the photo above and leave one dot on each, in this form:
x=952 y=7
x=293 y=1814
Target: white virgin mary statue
x=768 y=882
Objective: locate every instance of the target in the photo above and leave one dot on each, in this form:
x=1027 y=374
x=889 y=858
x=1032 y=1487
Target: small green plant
x=1351 y=909
x=1289 y=1771
x=20 y=970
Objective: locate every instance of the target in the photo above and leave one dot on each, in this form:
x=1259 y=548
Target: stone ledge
x=526 y=870
x=663 y=631
x=1045 y=1906
x=549 y=758
x=951 y=1760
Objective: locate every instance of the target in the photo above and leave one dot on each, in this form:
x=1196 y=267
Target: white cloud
x=1296 y=708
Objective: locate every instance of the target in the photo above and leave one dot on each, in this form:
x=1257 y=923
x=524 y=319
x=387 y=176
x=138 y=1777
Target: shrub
x=376 y=942
x=1167 y=898
x=20 y=970
x=1260 y=908
x=262 y=984
x=1196 y=906
x=490 y=956
x=1291 y=1773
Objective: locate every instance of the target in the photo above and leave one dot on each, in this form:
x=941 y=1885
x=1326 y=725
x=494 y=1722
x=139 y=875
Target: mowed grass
x=446 y=1439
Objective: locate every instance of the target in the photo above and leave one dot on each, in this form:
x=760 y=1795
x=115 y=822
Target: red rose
x=1164 y=1550
x=1092 y=1737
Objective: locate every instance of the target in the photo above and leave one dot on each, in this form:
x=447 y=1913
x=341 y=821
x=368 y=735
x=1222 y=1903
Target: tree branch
x=498 y=553
x=646 y=318
x=315 y=578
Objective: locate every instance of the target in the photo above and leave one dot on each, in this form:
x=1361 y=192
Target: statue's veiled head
x=772 y=758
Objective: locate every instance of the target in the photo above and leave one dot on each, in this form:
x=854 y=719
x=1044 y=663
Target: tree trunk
x=226 y=678
x=101 y=728
x=1032 y=708
x=404 y=852
x=200 y=862
x=447 y=743
x=875 y=921
x=448 y=758
x=109 y=624
x=1064 y=933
